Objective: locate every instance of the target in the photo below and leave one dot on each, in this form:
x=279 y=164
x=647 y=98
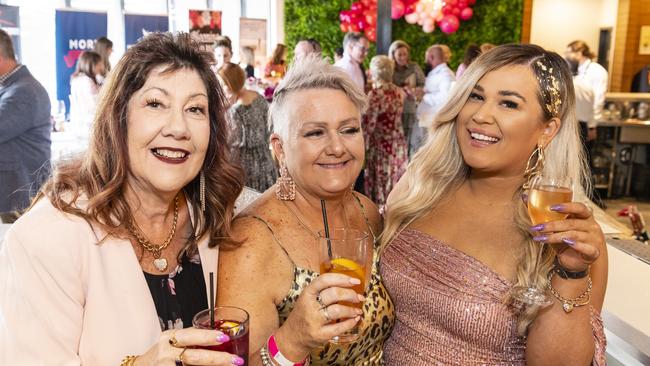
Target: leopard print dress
x=376 y=324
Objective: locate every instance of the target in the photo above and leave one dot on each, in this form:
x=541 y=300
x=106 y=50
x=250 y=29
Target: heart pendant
x=160 y=264
x=567 y=307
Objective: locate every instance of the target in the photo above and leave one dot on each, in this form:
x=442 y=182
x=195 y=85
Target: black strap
x=566 y=274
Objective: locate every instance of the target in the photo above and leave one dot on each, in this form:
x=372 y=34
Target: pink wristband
x=277 y=356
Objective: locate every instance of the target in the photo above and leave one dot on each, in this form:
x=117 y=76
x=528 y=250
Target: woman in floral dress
x=386 y=148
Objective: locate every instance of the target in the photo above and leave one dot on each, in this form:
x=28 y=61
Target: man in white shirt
x=355 y=48
x=436 y=90
x=591 y=73
x=584 y=101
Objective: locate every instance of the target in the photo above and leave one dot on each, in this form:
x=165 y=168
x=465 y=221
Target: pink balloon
x=356 y=7
x=455 y=11
x=466 y=14
x=462 y=4
x=449 y=24
x=397 y=9
x=412 y=18
x=428 y=27
x=409 y=9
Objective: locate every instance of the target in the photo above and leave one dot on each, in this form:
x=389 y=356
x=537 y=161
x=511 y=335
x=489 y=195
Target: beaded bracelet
x=128 y=361
x=568 y=304
x=264 y=354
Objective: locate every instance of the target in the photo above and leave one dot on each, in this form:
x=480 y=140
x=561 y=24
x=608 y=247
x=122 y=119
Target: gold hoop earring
x=534 y=169
x=285 y=187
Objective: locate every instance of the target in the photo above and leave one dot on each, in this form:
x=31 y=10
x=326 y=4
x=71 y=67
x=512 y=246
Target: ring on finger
x=319 y=300
x=326 y=314
x=179 y=360
x=172 y=340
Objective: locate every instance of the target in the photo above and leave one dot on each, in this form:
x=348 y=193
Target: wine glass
x=545 y=192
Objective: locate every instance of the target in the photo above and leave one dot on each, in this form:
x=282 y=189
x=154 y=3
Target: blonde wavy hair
x=438 y=167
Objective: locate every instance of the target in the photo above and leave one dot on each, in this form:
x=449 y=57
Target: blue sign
x=137 y=26
x=75 y=32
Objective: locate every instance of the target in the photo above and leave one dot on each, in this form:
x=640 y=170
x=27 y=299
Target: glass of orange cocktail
x=349 y=252
x=545 y=192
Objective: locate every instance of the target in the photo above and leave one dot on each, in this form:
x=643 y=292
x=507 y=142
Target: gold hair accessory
x=156 y=250
x=552 y=87
x=569 y=304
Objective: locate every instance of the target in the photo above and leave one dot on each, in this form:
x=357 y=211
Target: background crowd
x=177 y=133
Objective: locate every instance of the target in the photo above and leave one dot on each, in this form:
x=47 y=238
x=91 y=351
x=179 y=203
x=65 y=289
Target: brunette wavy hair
x=101 y=173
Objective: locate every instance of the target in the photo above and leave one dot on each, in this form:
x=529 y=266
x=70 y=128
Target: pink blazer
x=66 y=300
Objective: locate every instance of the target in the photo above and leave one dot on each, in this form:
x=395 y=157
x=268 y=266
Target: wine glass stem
x=539 y=257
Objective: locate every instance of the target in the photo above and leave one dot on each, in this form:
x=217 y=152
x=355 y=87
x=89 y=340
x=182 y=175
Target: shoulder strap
x=275 y=238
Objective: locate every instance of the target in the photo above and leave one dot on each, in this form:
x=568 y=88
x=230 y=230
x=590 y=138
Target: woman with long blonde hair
x=458 y=238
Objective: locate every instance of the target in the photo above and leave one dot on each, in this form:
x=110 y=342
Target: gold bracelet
x=128 y=361
x=568 y=304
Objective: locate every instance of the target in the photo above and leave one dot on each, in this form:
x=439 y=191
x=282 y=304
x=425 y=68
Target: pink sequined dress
x=449 y=308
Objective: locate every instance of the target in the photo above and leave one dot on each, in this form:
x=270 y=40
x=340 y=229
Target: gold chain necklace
x=156 y=250
x=306 y=227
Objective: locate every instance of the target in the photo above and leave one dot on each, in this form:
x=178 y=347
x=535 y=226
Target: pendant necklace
x=156 y=250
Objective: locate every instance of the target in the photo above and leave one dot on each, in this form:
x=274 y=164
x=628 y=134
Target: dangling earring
x=202 y=190
x=285 y=187
x=534 y=169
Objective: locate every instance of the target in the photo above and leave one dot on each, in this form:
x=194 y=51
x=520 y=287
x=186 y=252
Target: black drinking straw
x=327 y=229
x=211 y=300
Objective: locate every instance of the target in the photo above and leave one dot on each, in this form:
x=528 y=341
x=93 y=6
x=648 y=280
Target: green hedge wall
x=494 y=21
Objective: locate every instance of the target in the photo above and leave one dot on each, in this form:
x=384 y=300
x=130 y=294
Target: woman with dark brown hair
x=104 y=47
x=249 y=137
x=111 y=258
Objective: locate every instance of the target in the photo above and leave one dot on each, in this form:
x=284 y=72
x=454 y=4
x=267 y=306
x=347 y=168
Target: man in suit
x=24 y=133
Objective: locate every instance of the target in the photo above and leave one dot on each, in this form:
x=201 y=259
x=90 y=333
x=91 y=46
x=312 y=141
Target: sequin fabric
x=450 y=308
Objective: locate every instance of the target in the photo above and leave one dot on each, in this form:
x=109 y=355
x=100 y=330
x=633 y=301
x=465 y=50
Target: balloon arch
x=446 y=14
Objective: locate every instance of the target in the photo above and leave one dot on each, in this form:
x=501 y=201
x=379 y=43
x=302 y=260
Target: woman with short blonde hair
x=274 y=272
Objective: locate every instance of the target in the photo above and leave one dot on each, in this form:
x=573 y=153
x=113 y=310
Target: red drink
x=231 y=321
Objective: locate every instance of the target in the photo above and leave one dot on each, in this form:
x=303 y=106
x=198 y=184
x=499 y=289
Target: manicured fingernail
x=539 y=227
x=222 y=338
x=568 y=241
x=361 y=298
x=557 y=207
x=237 y=361
x=540 y=238
x=358 y=311
x=355 y=281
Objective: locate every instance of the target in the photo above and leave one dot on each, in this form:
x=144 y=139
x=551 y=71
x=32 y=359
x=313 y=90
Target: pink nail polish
x=238 y=361
x=223 y=338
